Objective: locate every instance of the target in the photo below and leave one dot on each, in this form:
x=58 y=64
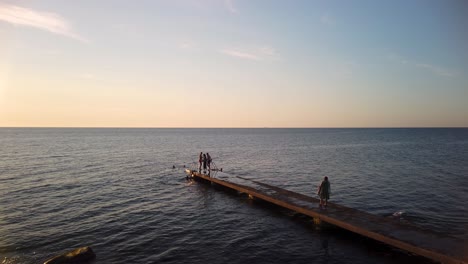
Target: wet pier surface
x=426 y=243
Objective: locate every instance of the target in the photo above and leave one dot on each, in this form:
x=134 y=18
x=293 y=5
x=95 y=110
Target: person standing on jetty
x=204 y=162
x=208 y=160
x=324 y=192
x=200 y=160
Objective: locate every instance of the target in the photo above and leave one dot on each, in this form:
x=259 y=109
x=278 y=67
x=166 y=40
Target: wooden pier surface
x=404 y=236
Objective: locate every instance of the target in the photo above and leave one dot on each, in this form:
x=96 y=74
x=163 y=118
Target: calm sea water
x=115 y=190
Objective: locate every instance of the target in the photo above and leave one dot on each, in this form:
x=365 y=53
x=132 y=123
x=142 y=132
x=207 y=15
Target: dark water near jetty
x=115 y=190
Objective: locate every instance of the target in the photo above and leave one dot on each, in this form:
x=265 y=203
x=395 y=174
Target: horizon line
x=337 y=127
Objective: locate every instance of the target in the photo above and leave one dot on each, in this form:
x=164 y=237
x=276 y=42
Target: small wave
x=398 y=214
x=166 y=253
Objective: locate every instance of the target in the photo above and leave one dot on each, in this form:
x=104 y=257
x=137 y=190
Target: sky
x=233 y=63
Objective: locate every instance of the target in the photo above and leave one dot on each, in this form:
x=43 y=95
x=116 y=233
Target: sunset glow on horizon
x=233 y=63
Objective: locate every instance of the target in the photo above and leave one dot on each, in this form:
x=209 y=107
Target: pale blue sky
x=237 y=63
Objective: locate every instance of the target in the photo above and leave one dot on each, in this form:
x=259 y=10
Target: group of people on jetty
x=324 y=190
x=204 y=161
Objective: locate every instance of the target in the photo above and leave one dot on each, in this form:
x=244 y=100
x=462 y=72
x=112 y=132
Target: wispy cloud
x=328 y=20
x=51 y=22
x=230 y=6
x=240 y=54
x=434 y=69
x=257 y=54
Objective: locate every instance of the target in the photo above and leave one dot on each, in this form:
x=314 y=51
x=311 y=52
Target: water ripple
x=115 y=190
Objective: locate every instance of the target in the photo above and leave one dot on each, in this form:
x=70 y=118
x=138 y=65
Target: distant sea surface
x=116 y=191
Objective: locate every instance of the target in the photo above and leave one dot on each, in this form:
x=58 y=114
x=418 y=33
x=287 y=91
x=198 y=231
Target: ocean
x=116 y=190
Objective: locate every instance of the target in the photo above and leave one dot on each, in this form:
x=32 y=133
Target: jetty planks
x=405 y=236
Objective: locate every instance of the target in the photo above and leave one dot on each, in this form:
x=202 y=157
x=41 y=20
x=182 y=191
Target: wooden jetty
x=404 y=236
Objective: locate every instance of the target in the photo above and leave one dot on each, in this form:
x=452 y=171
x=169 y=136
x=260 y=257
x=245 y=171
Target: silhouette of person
x=204 y=162
x=208 y=160
x=324 y=192
x=200 y=160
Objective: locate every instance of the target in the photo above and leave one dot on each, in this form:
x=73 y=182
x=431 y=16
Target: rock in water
x=79 y=255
